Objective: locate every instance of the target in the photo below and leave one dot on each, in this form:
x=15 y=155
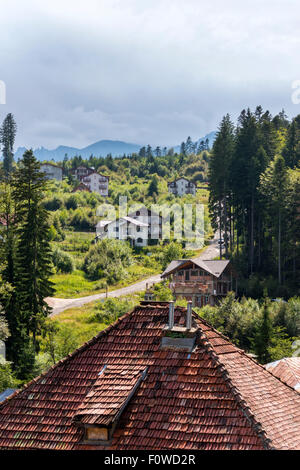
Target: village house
x=141 y=227
x=124 y=228
x=91 y=180
x=81 y=171
x=53 y=172
x=159 y=378
x=96 y=183
x=182 y=186
x=204 y=282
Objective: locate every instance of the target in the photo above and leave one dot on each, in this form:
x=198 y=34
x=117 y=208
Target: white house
x=182 y=186
x=125 y=228
x=53 y=172
x=96 y=183
x=140 y=227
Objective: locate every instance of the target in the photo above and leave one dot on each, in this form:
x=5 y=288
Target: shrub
x=7 y=378
x=53 y=204
x=108 y=258
x=63 y=262
x=72 y=202
x=171 y=252
x=111 y=309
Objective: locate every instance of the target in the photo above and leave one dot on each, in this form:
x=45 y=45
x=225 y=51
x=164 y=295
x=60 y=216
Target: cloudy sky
x=143 y=71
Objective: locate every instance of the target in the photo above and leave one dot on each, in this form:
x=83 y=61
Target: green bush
x=72 y=202
x=7 y=378
x=111 y=309
x=53 y=204
x=63 y=262
x=108 y=258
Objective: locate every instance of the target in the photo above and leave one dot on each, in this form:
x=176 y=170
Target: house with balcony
x=81 y=171
x=141 y=227
x=124 y=228
x=182 y=186
x=203 y=282
x=96 y=183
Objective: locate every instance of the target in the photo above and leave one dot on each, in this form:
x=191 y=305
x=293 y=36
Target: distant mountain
x=101 y=148
x=98 y=149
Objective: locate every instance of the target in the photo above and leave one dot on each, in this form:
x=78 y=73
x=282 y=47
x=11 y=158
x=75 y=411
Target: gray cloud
x=141 y=71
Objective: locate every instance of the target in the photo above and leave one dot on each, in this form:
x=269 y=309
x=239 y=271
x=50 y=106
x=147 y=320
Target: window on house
x=194 y=273
x=95 y=433
x=180 y=273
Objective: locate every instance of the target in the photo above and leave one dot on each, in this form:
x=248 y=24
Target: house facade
x=124 y=228
x=81 y=171
x=96 y=183
x=53 y=172
x=182 y=186
x=140 y=385
x=141 y=227
x=199 y=281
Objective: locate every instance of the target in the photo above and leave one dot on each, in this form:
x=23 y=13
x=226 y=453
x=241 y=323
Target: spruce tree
x=219 y=178
x=33 y=254
x=8 y=132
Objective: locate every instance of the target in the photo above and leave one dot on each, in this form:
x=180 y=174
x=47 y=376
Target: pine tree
x=153 y=187
x=264 y=333
x=274 y=188
x=8 y=132
x=291 y=151
x=33 y=254
x=219 y=178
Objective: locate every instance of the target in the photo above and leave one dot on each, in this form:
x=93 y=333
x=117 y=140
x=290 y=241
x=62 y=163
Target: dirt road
x=59 y=305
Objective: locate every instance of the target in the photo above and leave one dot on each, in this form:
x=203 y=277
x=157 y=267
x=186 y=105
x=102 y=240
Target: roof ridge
x=235 y=391
x=243 y=353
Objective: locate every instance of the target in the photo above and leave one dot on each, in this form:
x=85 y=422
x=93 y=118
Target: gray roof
x=214 y=267
x=173 y=265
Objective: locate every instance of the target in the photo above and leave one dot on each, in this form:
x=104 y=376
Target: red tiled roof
x=287 y=370
x=215 y=397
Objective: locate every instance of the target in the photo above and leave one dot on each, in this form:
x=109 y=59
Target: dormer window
x=103 y=406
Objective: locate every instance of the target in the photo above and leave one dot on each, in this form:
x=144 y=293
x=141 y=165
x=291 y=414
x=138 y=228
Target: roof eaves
x=267 y=443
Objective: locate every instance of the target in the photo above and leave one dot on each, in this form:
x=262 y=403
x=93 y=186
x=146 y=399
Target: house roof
x=214 y=267
x=104 y=223
x=215 y=397
x=181 y=178
x=93 y=172
x=287 y=370
x=51 y=164
x=81 y=187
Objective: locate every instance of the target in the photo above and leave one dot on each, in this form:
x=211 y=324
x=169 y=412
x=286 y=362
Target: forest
x=254 y=184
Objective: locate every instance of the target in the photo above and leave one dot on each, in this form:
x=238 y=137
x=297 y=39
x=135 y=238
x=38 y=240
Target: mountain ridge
x=100 y=148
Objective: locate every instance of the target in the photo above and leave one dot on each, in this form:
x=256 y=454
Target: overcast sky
x=143 y=71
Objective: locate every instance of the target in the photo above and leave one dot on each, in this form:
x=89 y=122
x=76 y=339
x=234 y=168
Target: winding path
x=59 y=305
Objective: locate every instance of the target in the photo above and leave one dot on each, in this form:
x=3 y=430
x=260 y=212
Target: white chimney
x=171 y=314
x=189 y=316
